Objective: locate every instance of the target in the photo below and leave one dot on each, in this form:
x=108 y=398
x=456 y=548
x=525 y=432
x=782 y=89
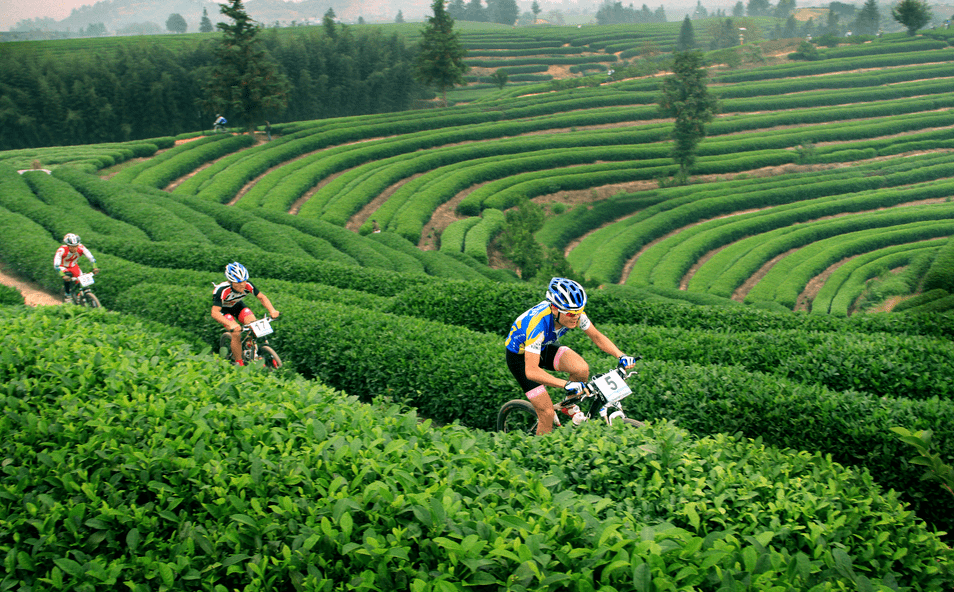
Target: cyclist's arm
x=221 y=318
x=58 y=261
x=89 y=256
x=267 y=304
x=535 y=373
x=603 y=342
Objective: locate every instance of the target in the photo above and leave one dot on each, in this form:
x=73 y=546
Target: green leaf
x=168 y=576
x=514 y=522
x=244 y=519
x=237 y=558
x=132 y=539
x=69 y=566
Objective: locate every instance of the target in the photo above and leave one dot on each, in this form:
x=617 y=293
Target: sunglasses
x=574 y=313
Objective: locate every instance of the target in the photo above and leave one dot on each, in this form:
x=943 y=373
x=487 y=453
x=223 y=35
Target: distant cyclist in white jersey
x=66 y=261
x=533 y=351
x=229 y=310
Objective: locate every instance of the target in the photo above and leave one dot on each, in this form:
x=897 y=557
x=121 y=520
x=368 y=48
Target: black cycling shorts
x=236 y=311
x=516 y=363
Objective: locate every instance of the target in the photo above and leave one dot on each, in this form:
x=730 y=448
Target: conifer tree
x=441 y=58
x=205 y=25
x=686 y=98
x=868 y=20
x=687 y=37
x=245 y=82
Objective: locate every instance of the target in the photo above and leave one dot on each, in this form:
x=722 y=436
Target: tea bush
x=131 y=460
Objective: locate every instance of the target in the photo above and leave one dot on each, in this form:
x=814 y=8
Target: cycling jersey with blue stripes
x=534 y=329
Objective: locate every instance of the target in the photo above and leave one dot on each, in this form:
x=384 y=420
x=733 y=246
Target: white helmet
x=71 y=239
x=236 y=272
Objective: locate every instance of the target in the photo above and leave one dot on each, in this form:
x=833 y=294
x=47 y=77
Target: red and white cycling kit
x=231 y=301
x=65 y=262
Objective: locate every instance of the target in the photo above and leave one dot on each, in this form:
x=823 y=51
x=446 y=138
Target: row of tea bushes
x=89 y=158
x=195 y=147
x=491 y=309
x=9 y=295
x=812 y=261
x=433 y=367
x=142 y=213
x=157 y=468
x=849 y=281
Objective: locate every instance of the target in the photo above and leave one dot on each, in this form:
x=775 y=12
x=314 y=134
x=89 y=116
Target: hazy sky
x=13 y=11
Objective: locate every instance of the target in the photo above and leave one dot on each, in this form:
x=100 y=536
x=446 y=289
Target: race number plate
x=612 y=386
x=85 y=279
x=261 y=327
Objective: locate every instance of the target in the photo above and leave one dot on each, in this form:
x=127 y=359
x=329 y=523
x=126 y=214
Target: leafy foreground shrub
x=10 y=295
x=455 y=375
x=132 y=462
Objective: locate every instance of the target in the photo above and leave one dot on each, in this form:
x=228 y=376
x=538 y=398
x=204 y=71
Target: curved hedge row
x=452 y=239
x=368 y=490
x=847 y=282
x=176 y=162
x=809 y=262
x=478 y=238
x=941 y=273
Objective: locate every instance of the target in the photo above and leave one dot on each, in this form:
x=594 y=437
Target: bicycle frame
x=82 y=290
x=254 y=343
x=253 y=332
x=603 y=396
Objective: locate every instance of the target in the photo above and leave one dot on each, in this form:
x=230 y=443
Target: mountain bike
x=255 y=346
x=601 y=399
x=82 y=294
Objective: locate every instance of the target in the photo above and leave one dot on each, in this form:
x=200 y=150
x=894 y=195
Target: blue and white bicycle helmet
x=71 y=239
x=236 y=272
x=567 y=295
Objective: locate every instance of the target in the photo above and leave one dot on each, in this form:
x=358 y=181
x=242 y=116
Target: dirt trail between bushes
x=33 y=294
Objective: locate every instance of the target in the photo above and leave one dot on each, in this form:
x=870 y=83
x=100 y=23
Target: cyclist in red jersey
x=229 y=310
x=65 y=261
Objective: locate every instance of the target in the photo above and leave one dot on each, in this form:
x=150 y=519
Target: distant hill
x=119 y=14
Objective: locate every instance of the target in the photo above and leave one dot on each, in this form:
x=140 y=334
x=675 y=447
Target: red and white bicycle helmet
x=71 y=239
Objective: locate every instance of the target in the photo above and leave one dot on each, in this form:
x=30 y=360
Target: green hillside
x=134 y=458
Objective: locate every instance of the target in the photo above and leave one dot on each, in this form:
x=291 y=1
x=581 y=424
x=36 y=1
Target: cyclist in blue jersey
x=533 y=350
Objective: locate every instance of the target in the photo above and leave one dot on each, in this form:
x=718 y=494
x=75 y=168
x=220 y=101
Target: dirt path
x=33 y=294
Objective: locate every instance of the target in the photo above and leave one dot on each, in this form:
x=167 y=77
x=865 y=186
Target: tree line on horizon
x=136 y=90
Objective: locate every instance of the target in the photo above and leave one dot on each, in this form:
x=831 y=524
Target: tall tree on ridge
x=205 y=25
x=245 y=82
x=441 y=58
x=913 y=14
x=686 y=98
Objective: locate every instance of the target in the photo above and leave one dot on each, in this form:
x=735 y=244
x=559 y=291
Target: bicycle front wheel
x=517 y=416
x=225 y=346
x=90 y=300
x=270 y=358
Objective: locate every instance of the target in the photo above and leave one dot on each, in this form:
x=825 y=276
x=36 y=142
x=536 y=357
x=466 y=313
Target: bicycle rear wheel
x=517 y=416
x=270 y=358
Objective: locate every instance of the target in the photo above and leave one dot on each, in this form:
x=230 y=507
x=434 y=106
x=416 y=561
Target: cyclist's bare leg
x=235 y=335
x=245 y=317
x=573 y=363
x=540 y=399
